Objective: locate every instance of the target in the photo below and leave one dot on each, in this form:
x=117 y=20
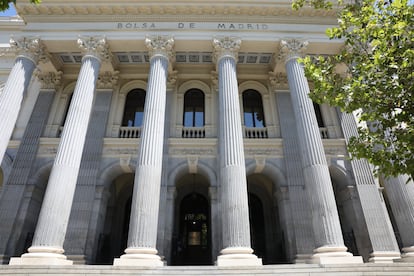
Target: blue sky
x=11 y=11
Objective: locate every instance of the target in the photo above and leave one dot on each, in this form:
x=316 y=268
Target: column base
x=384 y=256
x=4 y=259
x=42 y=255
x=139 y=256
x=333 y=255
x=408 y=254
x=302 y=258
x=238 y=256
x=78 y=259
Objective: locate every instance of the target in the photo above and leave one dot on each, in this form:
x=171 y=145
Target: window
x=67 y=110
x=193 y=108
x=318 y=115
x=134 y=108
x=253 y=109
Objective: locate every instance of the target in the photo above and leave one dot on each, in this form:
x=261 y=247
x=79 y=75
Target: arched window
x=253 y=109
x=193 y=108
x=134 y=108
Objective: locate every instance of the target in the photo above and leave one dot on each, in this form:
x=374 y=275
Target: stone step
x=399 y=269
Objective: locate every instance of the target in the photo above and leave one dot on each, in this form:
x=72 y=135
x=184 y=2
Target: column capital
x=107 y=80
x=292 y=48
x=160 y=46
x=95 y=46
x=29 y=47
x=226 y=47
x=49 y=80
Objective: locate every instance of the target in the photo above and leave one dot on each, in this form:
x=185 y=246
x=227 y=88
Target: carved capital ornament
x=292 y=48
x=29 y=47
x=160 y=46
x=226 y=47
x=94 y=46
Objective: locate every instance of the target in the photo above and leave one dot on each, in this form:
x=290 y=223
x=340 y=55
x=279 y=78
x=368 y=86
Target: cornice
x=78 y=11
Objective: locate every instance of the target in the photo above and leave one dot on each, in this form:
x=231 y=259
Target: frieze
x=192 y=151
x=148 y=8
x=269 y=152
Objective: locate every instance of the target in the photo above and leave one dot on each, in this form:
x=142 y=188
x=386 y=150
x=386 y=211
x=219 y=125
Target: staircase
x=397 y=269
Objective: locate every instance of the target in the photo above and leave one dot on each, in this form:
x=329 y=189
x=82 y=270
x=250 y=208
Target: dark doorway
x=257 y=226
x=114 y=236
x=192 y=243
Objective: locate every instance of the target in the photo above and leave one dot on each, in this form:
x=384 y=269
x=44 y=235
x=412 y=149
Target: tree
x=373 y=75
x=4 y=4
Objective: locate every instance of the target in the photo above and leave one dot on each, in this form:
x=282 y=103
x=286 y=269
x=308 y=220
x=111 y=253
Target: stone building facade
x=180 y=133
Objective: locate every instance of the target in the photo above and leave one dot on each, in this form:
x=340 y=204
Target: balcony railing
x=255 y=132
x=193 y=132
x=130 y=132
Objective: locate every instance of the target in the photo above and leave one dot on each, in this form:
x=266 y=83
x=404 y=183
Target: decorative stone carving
x=192 y=162
x=107 y=80
x=160 y=45
x=94 y=46
x=278 y=80
x=292 y=48
x=31 y=48
x=214 y=80
x=226 y=46
x=49 y=80
x=172 y=79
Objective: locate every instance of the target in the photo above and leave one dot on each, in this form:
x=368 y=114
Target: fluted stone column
x=16 y=193
x=381 y=235
x=325 y=219
x=142 y=234
x=401 y=198
x=235 y=210
x=47 y=245
x=29 y=52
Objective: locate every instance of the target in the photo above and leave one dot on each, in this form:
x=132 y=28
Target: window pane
x=199 y=119
x=248 y=119
x=188 y=119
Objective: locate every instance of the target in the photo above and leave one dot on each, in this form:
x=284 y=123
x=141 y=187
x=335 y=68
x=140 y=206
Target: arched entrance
x=114 y=236
x=266 y=232
x=191 y=243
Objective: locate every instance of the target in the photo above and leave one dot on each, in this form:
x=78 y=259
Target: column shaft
x=145 y=202
x=236 y=230
x=234 y=200
x=47 y=245
x=325 y=215
x=11 y=98
x=142 y=235
x=401 y=198
x=381 y=235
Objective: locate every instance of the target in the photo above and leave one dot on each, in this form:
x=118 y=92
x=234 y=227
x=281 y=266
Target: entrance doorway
x=114 y=236
x=191 y=244
x=266 y=231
